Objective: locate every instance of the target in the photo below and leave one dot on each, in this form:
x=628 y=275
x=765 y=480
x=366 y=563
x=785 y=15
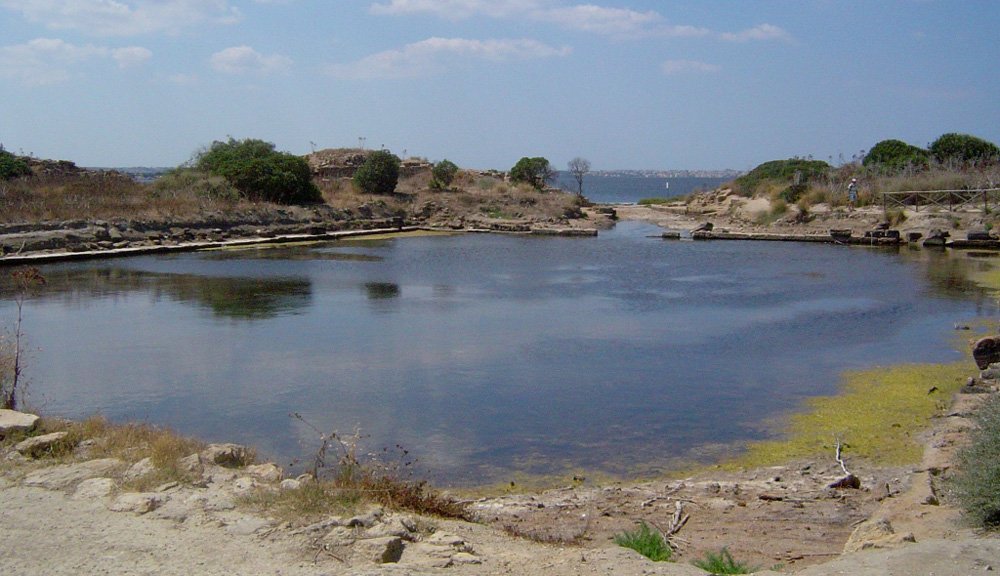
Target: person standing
x=852 y=193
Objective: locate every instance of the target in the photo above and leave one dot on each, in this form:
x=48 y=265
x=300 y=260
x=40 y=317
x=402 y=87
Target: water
x=631 y=189
x=487 y=356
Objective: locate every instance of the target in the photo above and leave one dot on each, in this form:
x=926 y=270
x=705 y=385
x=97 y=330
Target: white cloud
x=671 y=67
x=131 y=56
x=583 y=17
x=51 y=61
x=597 y=19
x=761 y=32
x=425 y=57
x=123 y=17
x=245 y=60
x=456 y=9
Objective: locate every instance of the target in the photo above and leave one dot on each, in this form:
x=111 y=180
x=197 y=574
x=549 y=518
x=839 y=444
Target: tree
x=25 y=280
x=579 y=167
x=534 y=171
x=443 y=174
x=896 y=154
x=963 y=148
x=379 y=174
x=260 y=172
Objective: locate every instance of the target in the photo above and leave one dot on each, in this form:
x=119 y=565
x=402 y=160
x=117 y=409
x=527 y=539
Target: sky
x=626 y=84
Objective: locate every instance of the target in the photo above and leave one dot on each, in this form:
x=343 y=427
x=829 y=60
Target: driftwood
x=849 y=480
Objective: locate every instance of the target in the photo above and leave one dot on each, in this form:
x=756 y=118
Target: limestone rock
x=379 y=550
x=66 y=475
x=248 y=525
x=877 y=533
x=243 y=486
x=398 y=526
x=94 y=488
x=138 y=502
x=290 y=484
x=14 y=421
x=266 y=472
x=366 y=520
x=40 y=445
x=141 y=468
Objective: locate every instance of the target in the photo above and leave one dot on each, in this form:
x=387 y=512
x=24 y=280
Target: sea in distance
x=488 y=357
x=628 y=187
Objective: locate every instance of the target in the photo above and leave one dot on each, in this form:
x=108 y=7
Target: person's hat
x=854 y=179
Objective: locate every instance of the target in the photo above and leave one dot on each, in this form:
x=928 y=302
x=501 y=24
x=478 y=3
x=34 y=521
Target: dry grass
x=105 y=196
x=130 y=443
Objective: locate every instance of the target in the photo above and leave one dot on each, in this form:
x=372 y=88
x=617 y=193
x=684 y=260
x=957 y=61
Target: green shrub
x=181 y=180
x=12 y=166
x=723 y=563
x=646 y=541
x=793 y=193
x=260 y=172
x=977 y=483
x=379 y=174
x=443 y=174
x=792 y=171
x=534 y=171
x=896 y=155
x=963 y=148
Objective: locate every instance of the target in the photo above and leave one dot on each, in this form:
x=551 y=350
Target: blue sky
x=624 y=83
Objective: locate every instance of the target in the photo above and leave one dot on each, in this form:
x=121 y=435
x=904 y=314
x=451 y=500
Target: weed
x=646 y=541
x=977 y=483
x=11 y=363
x=723 y=563
x=347 y=475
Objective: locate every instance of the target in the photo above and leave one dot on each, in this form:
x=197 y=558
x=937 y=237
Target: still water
x=487 y=356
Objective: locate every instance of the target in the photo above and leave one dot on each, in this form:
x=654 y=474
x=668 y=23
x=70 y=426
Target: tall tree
x=579 y=167
x=534 y=171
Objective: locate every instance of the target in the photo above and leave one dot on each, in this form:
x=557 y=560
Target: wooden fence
x=950 y=199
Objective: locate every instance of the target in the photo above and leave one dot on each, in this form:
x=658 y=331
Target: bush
x=793 y=193
x=534 y=171
x=977 y=484
x=963 y=148
x=723 y=563
x=260 y=172
x=379 y=174
x=443 y=174
x=646 y=541
x=181 y=180
x=12 y=166
x=791 y=171
x=896 y=155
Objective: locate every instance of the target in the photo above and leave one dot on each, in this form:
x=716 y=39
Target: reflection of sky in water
x=485 y=355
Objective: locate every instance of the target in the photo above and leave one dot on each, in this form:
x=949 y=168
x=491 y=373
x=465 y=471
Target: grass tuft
x=646 y=541
x=723 y=563
x=977 y=483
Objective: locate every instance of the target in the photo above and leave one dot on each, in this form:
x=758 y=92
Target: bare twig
x=840 y=460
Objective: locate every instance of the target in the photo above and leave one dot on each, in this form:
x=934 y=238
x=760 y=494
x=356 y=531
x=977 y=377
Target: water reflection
x=235 y=298
x=381 y=290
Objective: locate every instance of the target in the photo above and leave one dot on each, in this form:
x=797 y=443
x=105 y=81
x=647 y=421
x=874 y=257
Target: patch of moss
x=876 y=418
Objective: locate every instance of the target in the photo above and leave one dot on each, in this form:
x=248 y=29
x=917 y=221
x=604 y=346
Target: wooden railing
x=950 y=199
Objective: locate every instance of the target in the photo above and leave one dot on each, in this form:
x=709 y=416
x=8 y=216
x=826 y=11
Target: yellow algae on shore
x=877 y=417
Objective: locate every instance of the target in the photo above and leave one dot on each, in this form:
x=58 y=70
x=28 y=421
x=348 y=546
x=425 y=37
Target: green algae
x=877 y=417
